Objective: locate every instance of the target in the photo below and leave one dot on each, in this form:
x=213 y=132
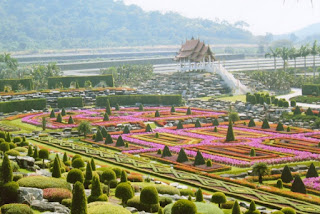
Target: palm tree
x=273 y=53
x=284 y=54
x=304 y=52
x=314 y=51
x=85 y=128
x=294 y=54
x=260 y=169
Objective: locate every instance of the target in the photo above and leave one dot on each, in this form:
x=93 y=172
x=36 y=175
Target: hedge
x=311 y=89
x=27 y=83
x=42 y=182
x=21 y=105
x=65 y=102
x=144 y=99
x=95 y=80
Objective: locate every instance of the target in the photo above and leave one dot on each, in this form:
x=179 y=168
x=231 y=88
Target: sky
x=272 y=16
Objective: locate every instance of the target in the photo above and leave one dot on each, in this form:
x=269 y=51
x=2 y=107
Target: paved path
x=298 y=92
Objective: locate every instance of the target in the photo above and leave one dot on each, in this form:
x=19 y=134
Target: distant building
x=195 y=51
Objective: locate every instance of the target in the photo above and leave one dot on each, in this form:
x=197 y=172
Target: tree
x=260 y=169
x=297 y=111
x=106 y=117
x=149 y=195
x=79 y=201
x=251 y=123
x=148 y=128
x=180 y=125
x=4 y=146
x=157 y=114
x=30 y=151
x=117 y=107
x=265 y=124
x=108 y=108
x=166 y=152
x=124 y=192
x=199 y=195
x=173 y=110
x=56 y=171
x=219 y=198
x=108 y=139
x=304 y=52
x=59 y=118
x=184 y=206
x=189 y=111
x=198 y=124
x=215 y=122
x=279 y=127
x=252 y=152
x=88 y=175
x=294 y=54
x=273 y=53
x=126 y=130
x=84 y=128
x=286 y=175
x=312 y=172
x=298 y=185
x=234 y=116
x=252 y=209
x=93 y=164
x=314 y=52
x=182 y=157
x=70 y=121
x=52 y=114
x=6 y=170
x=124 y=177
x=96 y=191
x=236 y=208
x=199 y=160
x=99 y=136
x=43 y=154
x=35 y=153
x=63 y=112
x=104 y=132
x=284 y=54
x=309 y=112
x=119 y=142
x=44 y=123
x=230 y=134
x=65 y=157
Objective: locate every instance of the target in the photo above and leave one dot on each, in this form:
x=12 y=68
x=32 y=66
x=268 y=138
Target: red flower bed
x=56 y=194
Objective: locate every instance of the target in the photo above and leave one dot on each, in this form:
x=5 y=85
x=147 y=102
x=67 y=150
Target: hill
x=61 y=24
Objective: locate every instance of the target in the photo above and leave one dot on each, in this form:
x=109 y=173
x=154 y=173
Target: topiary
x=79 y=201
x=280 y=184
x=298 y=185
x=106 y=117
x=160 y=210
x=252 y=152
x=88 y=175
x=189 y=111
x=104 y=132
x=70 y=120
x=184 y=206
x=16 y=209
x=209 y=163
x=173 y=110
x=141 y=108
x=57 y=194
x=93 y=164
x=279 y=127
x=96 y=191
x=149 y=195
x=9 y=192
x=309 y=112
x=215 y=122
x=13 y=152
x=230 y=134
x=198 y=124
x=252 y=209
x=78 y=163
x=120 y=141
x=6 y=170
x=297 y=111
x=199 y=160
x=186 y=192
x=166 y=152
x=117 y=108
x=157 y=135
x=251 y=123
x=30 y=151
x=75 y=157
x=8 y=137
x=236 y=208
x=56 y=171
x=182 y=157
x=124 y=192
x=108 y=139
x=218 y=198
x=265 y=124
x=293 y=103
x=67 y=202
x=108 y=175
x=52 y=114
x=312 y=172
x=59 y=118
x=63 y=112
x=43 y=154
x=113 y=183
x=288 y=210
x=288 y=129
x=286 y=175
x=159 y=152
x=148 y=128
x=215 y=129
x=117 y=171
x=99 y=136
x=124 y=177
x=199 y=195
x=180 y=125
x=4 y=146
x=126 y=130
x=157 y=114
x=108 y=108
x=75 y=175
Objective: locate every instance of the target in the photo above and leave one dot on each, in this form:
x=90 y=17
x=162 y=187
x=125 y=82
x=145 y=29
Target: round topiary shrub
x=187 y=192
x=117 y=171
x=149 y=195
x=4 y=146
x=164 y=201
x=9 y=192
x=78 y=163
x=76 y=157
x=218 y=198
x=75 y=175
x=124 y=192
x=108 y=175
x=288 y=210
x=184 y=206
x=12 y=145
x=13 y=152
x=17 y=139
x=16 y=209
x=113 y=183
x=56 y=194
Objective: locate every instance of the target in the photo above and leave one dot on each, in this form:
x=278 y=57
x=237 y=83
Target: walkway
x=298 y=92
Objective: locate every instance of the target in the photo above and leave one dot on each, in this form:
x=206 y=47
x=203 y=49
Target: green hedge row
x=144 y=99
x=21 y=105
x=311 y=89
x=95 y=80
x=70 y=102
x=14 y=83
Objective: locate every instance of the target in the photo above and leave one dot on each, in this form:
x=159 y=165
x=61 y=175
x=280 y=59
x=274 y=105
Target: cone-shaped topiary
x=93 y=164
x=159 y=152
x=198 y=124
x=56 y=171
x=88 y=175
x=99 y=136
x=298 y=185
x=117 y=107
x=65 y=157
x=108 y=139
x=6 y=170
x=173 y=110
x=218 y=198
x=52 y=114
x=209 y=163
x=312 y=172
x=297 y=111
x=279 y=184
x=230 y=134
x=199 y=195
x=108 y=108
x=30 y=151
x=70 y=121
x=119 y=142
x=180 y=125
x=199 y=160
x=35 y=153
x=182 y=157
x=184 y=206
x=124 y=177
x=252 y=209
x=126 y=130
x=157 y=135
x=106 y=117
x=286 y=175
x=251 y=123
x=189 y=111
x=279 y=127
x=309 y=112
x=124 y=192
x=141 y=108
x=252 y=152
x=236 y=208
x=288 y=129
x=166 y=152
x=79 y=201
x=96 y=191
x=59 y=118
x=63 y=112
x=215 y=122
x=157 y=114
x=265 y=124
x=148 y=128
x=215 y=129
x=104 y=132
x=8 y=137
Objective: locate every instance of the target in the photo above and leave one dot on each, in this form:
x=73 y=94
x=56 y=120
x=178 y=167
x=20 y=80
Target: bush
x=13 y=152
x=66 y=80
x=199 y=160
x=207 y=208
x=182 y=157
x=96 y=191
x=218 y=198
x=64 y=102
x=99 y=136
x=4 y=146
x=279 y=127
x=42 y=182
x=120 y=141
x=67 y=202
x=79 y=201
x=9 y=192
x=166 y=152
x=56 y=171
x=108 y=175
x=117 y=171
x=22 y=105
x=106 y=208
x=135 y=178
x=76 y=157
x=288 y=210
x=6 y=170
x=17 y=177
x=78 y=163
x=279 y=184
x=184 y=206
x=251 y=123
x=310 y=89
x=312 y=172
x=265 y=124
x=124 y=192
x=227 y=205
x=298 y=185
x=124 y=177
x=16 y=209
x=293 y=103
x=166 y=189
x=56 y=194
x=252 y=209
x=17 y=139
x=75 y=175
x=113 y=183
x=286 y=175
x=135 y=202
x=149 y=195
x=187 y=192
x=21 y=149
x=164 y=201
x=199 y=195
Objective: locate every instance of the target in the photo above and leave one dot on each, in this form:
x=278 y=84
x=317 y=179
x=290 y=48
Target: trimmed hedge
x=42 y=182
x=65 y=102
x=207 y=208
x=144 y=99
x=106 y=208
x=16 y=209
x=311 y=89
x=21 y=105
x=27 y=83
x=95 y=80
x=56 y=194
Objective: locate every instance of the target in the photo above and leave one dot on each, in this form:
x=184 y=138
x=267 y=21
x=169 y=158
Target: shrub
x=76 y=157
x=113 y=183
x=135 y=202
x=35 y=153
x=120 y=141
x=149 y=195
x=16 y=209
x=199 y=160
x=164 y=201
x=17 y=139
x=293 y=103
x=297 y=111
x=124 y=192
x=157 y=114
x=236 y=208
x=166 y=189
x=78 y=163
x=108 y=108
x=199 y=195
x=42 y=182
x=93 y=164
x=108 y=139
x=187 y=192
x=189 y=111
x=218 y=198
x=79 y=201
x=215 y=129
x=227 y=205
x=277 y=212
x=251 y=123
x=298 y=185
x=124 y=177
x=252 y=152
x=43 y=154
x=117 y=171
x=6 y=170
x=207 y=208
x=148 y=128
x=180 y=125
x=56 y=171
x=279 y=127
x=286 y=104
x=198 y=124
x=21 y=149
x=56 y=194
x=99 y=136
x=70 y=120
x=67 y=202
x=279 y=184
x=126 y=130
x=184 y=207
x=166 y=152
x=106 y=208
x=9 y=192
x=230 y=134
x=13 y=152
x=30 y=151
x=4 y=146
x=252 y=209
x=288 y=210
x=12 y=145
x=59 y=118
x=17 y=177
x=96 y=191
x=182 y=157
x=75 y=175
x=309 y=112
x=312 y=172
x=215 y=122
x=21 y=105
x=135 y=178
x=108 y=175
x=265 y=124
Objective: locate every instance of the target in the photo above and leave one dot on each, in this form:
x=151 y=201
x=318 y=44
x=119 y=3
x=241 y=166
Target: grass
x=306 y=99
x=241 y=98
x=23 y=126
